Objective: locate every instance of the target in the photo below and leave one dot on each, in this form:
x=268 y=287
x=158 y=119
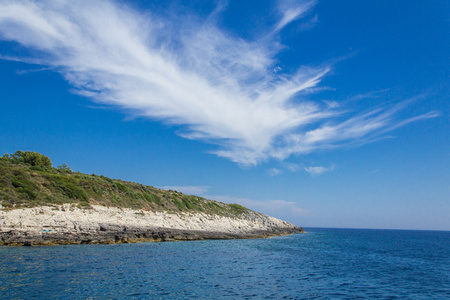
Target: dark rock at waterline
x=109 y=234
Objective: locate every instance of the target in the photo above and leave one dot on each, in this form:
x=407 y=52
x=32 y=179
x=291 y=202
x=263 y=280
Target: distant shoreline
x=68 y=224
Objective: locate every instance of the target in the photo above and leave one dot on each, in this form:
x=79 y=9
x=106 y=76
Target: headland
x=42 y=205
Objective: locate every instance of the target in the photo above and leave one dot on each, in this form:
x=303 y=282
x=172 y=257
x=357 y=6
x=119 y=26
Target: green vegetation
x=29 y=158
x=27 y=179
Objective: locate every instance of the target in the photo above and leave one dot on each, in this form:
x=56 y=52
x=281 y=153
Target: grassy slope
x=22 y=185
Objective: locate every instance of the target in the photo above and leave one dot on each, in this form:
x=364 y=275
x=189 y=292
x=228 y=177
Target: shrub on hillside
x=30 y=158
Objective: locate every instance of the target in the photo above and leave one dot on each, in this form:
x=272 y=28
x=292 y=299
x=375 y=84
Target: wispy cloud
x=274 y=172
x=292 y=10
x=368 y=95
x=220 y=88
x=23 y=72
x=310 y=23
x=318 y=170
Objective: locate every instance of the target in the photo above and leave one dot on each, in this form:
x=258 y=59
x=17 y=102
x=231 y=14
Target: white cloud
x=292 y=167
x=310 y=23
x=369 y=95
x=293 y=10
x=274 y=172
x=219 y=88
x=318 y=170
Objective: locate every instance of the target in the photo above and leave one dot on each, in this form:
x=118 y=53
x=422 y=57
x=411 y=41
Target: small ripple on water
x=323 y=264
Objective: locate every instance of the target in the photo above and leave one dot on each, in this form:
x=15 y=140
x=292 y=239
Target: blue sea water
x=321 y=264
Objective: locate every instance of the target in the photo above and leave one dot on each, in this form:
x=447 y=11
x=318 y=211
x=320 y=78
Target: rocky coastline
x=70 y=224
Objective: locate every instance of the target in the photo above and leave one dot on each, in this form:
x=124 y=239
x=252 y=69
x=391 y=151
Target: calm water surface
x=322 y=264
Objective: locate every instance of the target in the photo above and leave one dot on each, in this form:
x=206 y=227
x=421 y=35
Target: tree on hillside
x=31 y=158
x=65 y=168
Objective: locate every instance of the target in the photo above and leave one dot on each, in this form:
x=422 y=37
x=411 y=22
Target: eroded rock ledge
x=67 y=224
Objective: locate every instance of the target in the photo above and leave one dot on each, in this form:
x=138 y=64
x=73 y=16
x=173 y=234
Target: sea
x=320 y=264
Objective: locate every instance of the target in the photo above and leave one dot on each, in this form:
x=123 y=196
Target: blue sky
x=322 y=113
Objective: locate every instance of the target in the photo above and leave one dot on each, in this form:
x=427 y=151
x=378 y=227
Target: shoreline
x=15 y=238
x=68 y=224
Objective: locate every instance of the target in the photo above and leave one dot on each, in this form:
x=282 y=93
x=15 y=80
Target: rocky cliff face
x=68 y=224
